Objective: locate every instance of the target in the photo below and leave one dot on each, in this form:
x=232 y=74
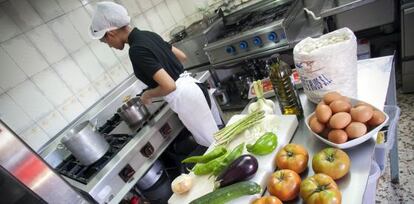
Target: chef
x=158 y=65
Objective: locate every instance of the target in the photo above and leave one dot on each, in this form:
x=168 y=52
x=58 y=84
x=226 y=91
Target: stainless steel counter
x=353 y=185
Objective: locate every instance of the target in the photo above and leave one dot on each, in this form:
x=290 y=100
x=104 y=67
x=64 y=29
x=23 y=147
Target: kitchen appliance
x=27 y=178
x=132 y=150
x=85 y=143
x=178 y=33
x=197 y=36
x=255 y=29
x=133 y=111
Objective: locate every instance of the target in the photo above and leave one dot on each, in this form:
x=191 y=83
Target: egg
x=337 y=136
x=362 y=103
x=325 y=132
x=340 y=106
x=331 y=96
x=339 y=120
x=315 y=125
x=362 y=113
x=377 y=118
x=356 y=129
x=323 y=113
x=346 y=99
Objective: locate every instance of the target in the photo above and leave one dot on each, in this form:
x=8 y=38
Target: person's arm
x=179 y=54
x=166 y=85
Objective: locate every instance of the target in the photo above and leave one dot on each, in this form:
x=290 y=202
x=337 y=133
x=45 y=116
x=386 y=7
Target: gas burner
x=73 y=169
x=110 y=124
x=255 y=19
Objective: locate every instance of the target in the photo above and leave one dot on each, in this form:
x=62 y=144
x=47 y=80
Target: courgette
x=228 y=193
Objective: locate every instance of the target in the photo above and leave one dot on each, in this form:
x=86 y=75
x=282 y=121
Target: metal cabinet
x=407 y=45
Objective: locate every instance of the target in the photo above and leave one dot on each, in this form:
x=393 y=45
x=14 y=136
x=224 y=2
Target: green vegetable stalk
x=264 y=145
x=216 y=152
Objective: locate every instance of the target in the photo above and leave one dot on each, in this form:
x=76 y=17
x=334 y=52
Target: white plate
x=353 y=142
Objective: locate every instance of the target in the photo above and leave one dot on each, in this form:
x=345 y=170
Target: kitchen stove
x=73 y=169
x=132 y=150
x=254 y=31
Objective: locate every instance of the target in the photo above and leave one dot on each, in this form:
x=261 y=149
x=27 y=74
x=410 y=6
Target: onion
x=182 y=184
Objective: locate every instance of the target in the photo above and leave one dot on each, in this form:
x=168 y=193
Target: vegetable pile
x=227 y=134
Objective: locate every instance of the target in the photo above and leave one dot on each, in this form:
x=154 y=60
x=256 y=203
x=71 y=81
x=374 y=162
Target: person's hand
x=145 y=98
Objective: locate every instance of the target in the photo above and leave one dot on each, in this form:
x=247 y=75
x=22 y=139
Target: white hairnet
x=108 y=16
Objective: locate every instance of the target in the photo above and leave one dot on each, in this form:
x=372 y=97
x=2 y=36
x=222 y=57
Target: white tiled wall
x=51 y=70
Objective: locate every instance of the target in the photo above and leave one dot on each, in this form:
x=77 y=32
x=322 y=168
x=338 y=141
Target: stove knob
x=257 y=41
x=243 y=45
x=230 y=49
x=273 y=37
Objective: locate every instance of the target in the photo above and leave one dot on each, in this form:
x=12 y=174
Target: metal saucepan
x=85 y=143
x=133 y=111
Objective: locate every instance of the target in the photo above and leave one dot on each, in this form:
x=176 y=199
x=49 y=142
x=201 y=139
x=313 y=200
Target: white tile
x=1 y=91
x=85 y=2
x=52 y=86
x=141 y=22
x=88 y=63
x=175 y=10
x=13 y=115
x=104 y=54
x=71 y=109
x=47 y=9
x=118 y=74
x=26 y=56
x=165 y=15
x=126 y=62
x=144 y=4
x=52 y=123
x=10 y=73
x=22 y=13
x=104 y=84
x=71 y=74
x=155 y=21
x=81 y=20
x=88 y=96
x=188 y=7
x=44 y=39
x=67 y=34
x=35 y=137
x=122 y=53
x=155 y=2
x=8 y=29
x=69 y=5
x=29 y=97
x=131 y=6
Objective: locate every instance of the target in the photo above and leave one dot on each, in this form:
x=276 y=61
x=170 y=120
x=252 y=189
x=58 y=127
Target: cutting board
x=283 y=126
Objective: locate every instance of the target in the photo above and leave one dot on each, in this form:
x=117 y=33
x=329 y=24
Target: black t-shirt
x=149 y=53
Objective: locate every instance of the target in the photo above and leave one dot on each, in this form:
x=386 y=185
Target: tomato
x=267 y=200
x=293 y=157
x=320 y=189
x=332 y=162
x=284 y=184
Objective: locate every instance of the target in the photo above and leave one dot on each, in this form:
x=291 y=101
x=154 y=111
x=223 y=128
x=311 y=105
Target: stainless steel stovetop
x=132 y=151
x=258 y=30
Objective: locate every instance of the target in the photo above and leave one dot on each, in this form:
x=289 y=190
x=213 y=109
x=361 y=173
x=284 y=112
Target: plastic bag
x=328 y=63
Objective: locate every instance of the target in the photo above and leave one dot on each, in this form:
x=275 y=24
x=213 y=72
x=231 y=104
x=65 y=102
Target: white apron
x=189 y=103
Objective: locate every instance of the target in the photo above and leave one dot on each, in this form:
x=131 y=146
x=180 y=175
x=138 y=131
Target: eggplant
x=241 y=169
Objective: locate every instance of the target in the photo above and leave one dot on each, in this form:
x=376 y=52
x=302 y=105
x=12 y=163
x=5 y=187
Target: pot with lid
x=85 y=143
x=133 y=111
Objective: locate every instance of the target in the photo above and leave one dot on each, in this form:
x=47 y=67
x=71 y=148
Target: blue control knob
x=243 y=45
x=257 y=41
x=230 y=49
x=273 y=37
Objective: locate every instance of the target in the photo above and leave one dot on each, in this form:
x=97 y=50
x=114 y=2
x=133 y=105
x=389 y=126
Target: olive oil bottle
x=280 y=76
